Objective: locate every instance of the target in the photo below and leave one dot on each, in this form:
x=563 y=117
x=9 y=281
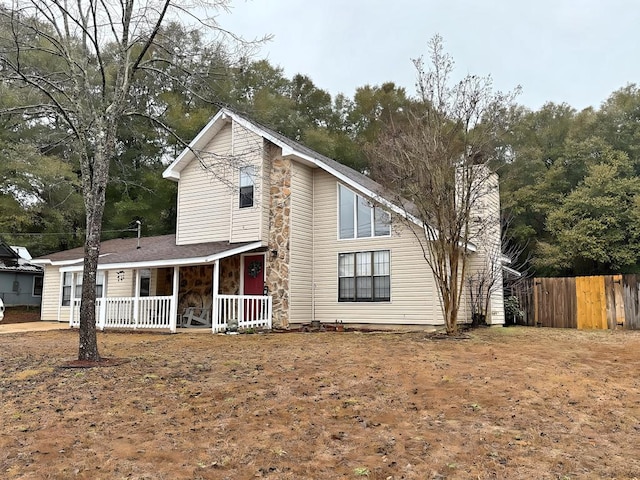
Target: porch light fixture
x=274 y=253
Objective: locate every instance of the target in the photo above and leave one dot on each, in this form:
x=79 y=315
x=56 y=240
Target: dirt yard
x=20 y=315
x=506 y=403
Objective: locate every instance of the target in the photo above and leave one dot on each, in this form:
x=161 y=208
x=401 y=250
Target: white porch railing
x=126 y=312
x=245 y=311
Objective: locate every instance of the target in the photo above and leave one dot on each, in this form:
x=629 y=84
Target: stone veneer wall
x=277 y=268
x=196 y=287
x=230 y=275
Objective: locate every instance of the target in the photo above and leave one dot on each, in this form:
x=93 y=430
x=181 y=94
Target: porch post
x=136 y=300
x=174 y=299
x=216 y=287
x=102 y=313
x=70 y=298
x=103 y=301
x=72 y=301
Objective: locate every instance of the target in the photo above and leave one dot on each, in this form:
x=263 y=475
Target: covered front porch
x=227 y=293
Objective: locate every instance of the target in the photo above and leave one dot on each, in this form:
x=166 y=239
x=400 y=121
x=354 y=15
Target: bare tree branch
x=79 y=60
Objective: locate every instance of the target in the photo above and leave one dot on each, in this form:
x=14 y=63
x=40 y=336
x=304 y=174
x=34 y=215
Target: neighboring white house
x=269 y=233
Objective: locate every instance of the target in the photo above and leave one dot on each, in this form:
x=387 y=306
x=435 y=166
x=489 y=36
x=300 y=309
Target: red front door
x=253 y=285
x=253 y=274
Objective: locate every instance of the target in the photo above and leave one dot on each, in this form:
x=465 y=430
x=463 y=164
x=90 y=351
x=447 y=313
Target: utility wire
x=63 y=233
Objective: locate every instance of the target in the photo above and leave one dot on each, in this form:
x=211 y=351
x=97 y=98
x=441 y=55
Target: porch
x=229 y=312
x=227 y=293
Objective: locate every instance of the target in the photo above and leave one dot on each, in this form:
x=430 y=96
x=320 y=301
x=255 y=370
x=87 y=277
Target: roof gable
x=201 y=140
x=290 y=148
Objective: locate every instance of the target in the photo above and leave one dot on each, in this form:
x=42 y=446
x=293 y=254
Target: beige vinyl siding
x=247 y=150
x=495 y=315
x=120 y=288
x=488 y=256
x=301 y=249
x=496 y=312
x=414 y=297
x=208 y=200
x=203 y=198
x=51 y=291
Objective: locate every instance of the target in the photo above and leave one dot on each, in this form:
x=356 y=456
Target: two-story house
x=269 y=233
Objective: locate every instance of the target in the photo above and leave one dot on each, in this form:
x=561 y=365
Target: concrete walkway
x=32 y=327
x=44 y=326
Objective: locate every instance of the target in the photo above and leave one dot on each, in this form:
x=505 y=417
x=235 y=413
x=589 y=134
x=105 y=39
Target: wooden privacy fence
x=602 y=302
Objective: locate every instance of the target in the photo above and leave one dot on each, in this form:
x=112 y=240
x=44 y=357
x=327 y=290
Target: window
x=66 y=288
x=67 y=282
x=37 y=287
x=78 y=292
x=364 y=277
x=347 y=201
x=246 y=186
x=358 y=218
x=145 y=282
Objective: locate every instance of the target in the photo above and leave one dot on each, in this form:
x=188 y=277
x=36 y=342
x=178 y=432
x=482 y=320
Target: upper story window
x=358 y=218
x=247 y=182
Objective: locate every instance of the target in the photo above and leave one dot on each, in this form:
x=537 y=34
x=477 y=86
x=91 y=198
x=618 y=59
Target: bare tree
x=433 y=158
x=78 y=60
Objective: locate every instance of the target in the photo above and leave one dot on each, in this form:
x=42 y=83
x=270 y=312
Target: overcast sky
x=573 y=51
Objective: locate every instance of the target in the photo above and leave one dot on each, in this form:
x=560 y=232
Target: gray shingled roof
x=359 y=178
x=348 y=172
x=124 y=250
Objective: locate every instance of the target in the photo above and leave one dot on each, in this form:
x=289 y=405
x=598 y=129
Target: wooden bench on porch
x=196 y=317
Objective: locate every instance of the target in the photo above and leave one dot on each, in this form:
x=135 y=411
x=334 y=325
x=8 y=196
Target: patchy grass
x=504 y=403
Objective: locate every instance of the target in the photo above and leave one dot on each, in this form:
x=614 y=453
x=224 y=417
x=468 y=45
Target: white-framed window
x=78 y=292
x=358 y=218
x=247 y=182
x=66 y=288
x=67 y=279
x=37 y=286
x=364 y=276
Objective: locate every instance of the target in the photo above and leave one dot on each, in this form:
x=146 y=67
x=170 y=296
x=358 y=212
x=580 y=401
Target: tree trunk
x=88 y=342
x=451 y=318
x=94 y=188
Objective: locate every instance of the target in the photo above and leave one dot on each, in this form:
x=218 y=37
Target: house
x=20 y=280
x=269 y=233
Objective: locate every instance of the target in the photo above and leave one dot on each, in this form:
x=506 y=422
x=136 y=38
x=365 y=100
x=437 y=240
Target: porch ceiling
x=153 y=251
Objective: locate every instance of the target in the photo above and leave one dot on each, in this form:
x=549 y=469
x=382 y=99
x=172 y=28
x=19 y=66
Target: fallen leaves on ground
x=504 y=403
